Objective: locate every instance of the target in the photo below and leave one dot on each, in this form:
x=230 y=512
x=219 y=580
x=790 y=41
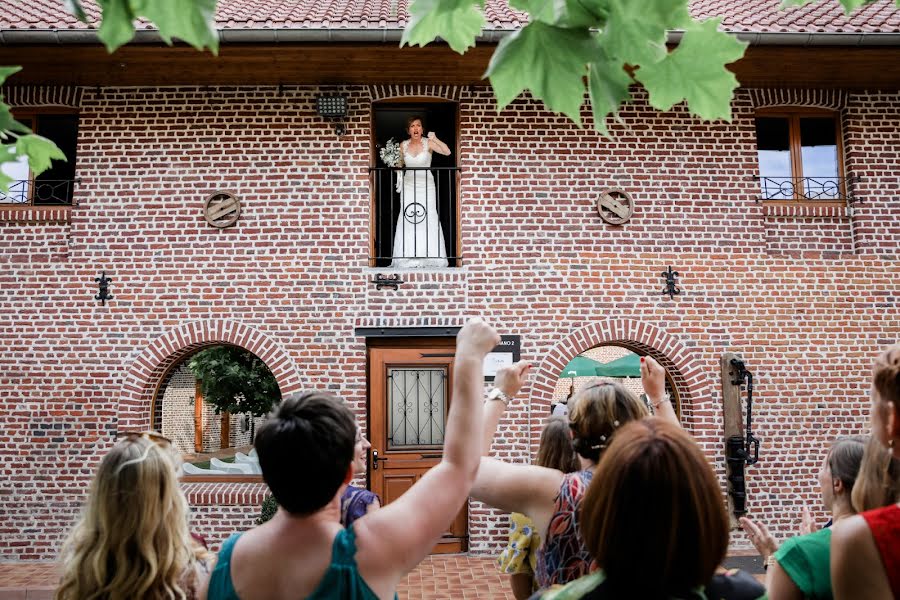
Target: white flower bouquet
x=391 y=155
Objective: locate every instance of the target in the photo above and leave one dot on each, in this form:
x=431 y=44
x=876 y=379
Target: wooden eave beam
x=386 y=63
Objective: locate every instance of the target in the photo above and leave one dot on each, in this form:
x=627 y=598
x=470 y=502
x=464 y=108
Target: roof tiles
x=738 y=15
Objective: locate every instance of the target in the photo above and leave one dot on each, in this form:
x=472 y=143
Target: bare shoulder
x=853 y=534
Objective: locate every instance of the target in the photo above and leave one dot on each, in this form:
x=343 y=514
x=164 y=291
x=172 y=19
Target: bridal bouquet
x=391 y=155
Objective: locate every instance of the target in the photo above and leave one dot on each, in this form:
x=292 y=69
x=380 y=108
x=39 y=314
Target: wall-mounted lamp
x=333 y=106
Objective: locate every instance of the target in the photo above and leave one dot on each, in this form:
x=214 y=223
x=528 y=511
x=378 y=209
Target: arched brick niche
x=641 y=338
x=146 y=372
x=414 y=92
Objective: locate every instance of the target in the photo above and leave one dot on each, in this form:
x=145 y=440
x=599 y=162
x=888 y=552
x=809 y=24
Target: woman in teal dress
x=305 y=451
x=799 y=568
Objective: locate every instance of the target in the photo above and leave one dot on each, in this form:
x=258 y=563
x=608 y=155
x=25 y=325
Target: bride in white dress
x=418 y=237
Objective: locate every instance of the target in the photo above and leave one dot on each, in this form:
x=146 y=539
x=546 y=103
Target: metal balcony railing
x=40 y=192
x=415 y=217
x=813 y=189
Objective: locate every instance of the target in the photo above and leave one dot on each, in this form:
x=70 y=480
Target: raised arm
x=394 y=539
x=437 y=145
x=653 y=378
x=509 y=381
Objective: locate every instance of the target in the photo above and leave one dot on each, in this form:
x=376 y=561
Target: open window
x=415 y=209
x=55 y=186
x=799 y=155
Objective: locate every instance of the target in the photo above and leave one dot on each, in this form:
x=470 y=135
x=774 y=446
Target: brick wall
x=178 y=409
x=807 y=302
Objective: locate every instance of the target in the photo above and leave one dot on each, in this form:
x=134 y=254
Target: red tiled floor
x=437 y=578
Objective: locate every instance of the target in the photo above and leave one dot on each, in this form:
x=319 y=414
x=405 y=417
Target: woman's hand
x=807 y=524
x=759 y=535
x=653 y=378
x=476 y=339
x=511 y=379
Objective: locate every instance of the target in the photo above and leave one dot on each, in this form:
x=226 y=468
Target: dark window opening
x=55 y=186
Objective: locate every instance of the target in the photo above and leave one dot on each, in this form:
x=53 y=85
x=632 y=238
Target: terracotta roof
x=739 y=15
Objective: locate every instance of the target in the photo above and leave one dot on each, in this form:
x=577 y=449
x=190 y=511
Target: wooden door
x=409 y=399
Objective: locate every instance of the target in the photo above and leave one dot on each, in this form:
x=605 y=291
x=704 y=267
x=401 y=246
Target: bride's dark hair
x=412 y=118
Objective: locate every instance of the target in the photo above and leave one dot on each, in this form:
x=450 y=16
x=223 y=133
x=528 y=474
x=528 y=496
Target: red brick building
x=798 y=276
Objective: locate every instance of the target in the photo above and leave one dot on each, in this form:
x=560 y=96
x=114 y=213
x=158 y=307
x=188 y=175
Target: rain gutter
x=384 y=34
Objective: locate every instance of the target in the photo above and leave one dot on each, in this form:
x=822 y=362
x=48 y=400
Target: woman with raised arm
x=799 y=568
x=305 y=451
x=419 y=237
x=519 y=558
x=551 y=498
x=865 y=549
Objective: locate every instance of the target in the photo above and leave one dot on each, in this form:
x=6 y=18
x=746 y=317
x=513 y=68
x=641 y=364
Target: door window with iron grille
x=417 y=407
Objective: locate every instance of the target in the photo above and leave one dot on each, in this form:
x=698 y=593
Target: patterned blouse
x=520 y=555
x=355 y=503
x=564 y=557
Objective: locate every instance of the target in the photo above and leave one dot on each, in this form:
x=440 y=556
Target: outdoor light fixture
x=333 y=106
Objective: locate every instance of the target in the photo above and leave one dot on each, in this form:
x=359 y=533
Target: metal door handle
x=375 y=460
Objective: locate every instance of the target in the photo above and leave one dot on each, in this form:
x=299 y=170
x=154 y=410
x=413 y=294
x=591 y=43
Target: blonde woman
x=132 y=540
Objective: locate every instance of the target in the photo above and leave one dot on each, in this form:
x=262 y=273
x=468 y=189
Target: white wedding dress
x=418 y=237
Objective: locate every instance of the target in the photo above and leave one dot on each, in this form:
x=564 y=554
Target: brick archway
x=639 y=337
x=146 y=372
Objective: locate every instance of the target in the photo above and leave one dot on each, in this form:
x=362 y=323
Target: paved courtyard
x=437 y=578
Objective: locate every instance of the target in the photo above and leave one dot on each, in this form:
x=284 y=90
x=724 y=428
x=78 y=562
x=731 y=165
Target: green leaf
x=695 y=71
x=40 y=152
x=608 y=84
x=550 y=61
x=851 y=5
x=7 y=152
x=7 y=71
x=192 y=21
x=636 y=31
x=458 y=22
x=75 y=7
x=564 y=13
x=117 y=24
x=9 y=123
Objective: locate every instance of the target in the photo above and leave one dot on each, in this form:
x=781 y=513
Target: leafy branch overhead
x=604 y=45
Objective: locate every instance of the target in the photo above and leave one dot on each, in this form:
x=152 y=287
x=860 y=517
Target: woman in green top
x=799 y=568
x=305 y=451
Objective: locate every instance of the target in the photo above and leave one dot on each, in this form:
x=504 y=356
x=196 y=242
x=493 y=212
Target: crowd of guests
x=621 y=503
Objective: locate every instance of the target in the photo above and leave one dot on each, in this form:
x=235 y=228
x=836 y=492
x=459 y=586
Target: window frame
x=794 y=114
x=412 y=101
x=33 y=113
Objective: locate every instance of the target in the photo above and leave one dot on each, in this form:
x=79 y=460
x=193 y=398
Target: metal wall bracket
x=392 y=281
x=103 y=283
x=672 y=288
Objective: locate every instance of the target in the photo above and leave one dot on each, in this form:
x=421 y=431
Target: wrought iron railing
x=40 y=192
x=814 y=189
x=415 y=217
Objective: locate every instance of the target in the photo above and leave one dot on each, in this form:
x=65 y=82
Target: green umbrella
x=627 y=366
x=580 y=366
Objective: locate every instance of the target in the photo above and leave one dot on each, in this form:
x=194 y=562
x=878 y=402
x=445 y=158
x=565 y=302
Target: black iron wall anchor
x=104 y=294
x=672 y=288
x=392 y=281
x=751 y=443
